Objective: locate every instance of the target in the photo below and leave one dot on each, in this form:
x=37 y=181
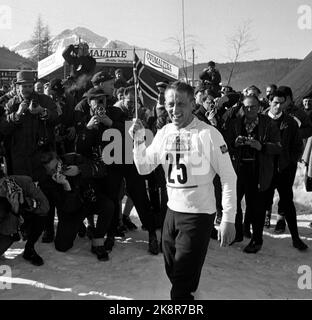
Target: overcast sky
x=148 y=23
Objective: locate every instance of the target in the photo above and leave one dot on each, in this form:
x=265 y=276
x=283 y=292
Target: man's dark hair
x=129 y=90
x=287 y=91
x=181 y=87
x=278 y=93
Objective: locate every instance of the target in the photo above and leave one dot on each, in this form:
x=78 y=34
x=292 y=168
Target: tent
x=300 y=79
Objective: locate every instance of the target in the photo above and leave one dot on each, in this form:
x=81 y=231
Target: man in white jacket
x=191 y=153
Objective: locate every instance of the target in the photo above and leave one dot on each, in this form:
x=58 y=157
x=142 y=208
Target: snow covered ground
x=132 y=273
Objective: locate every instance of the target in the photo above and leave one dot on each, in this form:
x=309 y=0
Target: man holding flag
x=191 y=153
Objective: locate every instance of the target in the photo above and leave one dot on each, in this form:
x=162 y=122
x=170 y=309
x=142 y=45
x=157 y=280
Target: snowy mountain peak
x=67 y=37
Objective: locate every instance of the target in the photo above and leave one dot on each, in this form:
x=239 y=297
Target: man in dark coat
x=79 y=59
x=211 y=78
x=252 y=140
x=285 y=165
x=305 y=131
x=28 y=124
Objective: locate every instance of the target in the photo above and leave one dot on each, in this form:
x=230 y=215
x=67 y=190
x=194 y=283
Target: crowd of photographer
x=52 y=163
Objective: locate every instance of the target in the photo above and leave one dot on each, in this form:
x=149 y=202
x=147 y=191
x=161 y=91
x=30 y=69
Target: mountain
x=94 y=40
x=260 y=73
x=12 y=60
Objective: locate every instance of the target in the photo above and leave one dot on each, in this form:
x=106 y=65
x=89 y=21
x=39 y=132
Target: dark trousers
x=158 y=193
x=247 y=184
x=283 y=181
x=68 y=224
x=136 y=188
x=185 y=242
x=5 y=243
x=49 y=222
x=34 y=231
x=292 y=169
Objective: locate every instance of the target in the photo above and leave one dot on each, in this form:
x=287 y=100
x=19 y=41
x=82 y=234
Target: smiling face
x=179 y=106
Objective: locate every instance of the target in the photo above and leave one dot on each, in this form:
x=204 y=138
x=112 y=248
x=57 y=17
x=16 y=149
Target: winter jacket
x=79 y=65
x=28 y=134
x=292 y=145
x=70 y=202
x=268 y=136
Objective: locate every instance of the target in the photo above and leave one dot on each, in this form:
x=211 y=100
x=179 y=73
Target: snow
x=132 y=273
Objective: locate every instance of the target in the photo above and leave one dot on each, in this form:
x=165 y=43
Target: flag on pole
x=145 y=83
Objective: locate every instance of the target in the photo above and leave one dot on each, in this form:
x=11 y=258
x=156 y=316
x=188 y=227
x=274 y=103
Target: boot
x=300 y=245
x=252 y=247
x=100 y=252
x=280 y=224
x=109 y=243
x=32 y=256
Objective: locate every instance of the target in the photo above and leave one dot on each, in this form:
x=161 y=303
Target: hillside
x=259 y=73
x=12 y=60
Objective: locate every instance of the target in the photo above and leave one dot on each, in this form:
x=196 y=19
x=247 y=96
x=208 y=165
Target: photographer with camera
x=65 y=131
x=253 y=141
x=28 y=124
x=21 y=202
x=93 y=118
x=78 y=57
x=72 y=182
x=211 y=78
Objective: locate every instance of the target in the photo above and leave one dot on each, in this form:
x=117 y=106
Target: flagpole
x=135 y=85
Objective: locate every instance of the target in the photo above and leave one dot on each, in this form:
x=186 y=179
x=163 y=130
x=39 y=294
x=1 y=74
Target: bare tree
x=240 y=44
x=183 y=50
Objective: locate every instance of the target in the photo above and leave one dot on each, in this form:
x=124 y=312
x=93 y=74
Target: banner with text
x=161 y=65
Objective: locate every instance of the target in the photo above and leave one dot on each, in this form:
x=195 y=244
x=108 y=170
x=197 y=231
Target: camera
x=61 y=168
x=243 y=139
x=11 y=186
x=100 y=112
x=30 y=204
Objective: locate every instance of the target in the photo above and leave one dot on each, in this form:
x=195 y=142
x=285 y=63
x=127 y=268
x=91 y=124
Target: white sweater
x=190 y=165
